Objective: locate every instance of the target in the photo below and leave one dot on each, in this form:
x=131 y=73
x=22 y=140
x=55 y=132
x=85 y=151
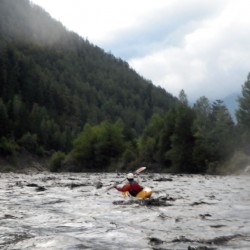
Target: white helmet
x=130 y=176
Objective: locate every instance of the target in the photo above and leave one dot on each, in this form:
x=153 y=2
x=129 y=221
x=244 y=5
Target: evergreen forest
x=64 y=99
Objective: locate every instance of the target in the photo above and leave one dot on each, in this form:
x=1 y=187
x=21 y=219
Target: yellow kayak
x=144 y=194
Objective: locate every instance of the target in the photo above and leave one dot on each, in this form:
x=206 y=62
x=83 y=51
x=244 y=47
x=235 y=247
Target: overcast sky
x=201 y=46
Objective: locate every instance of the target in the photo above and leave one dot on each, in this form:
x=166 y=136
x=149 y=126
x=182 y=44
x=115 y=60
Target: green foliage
x=201 y=130
x=148 y=144
x=243 y=115
x=189 y=140
x=29 y=142
x=4 y=128
x=182 y=140
x=223 y=130
x=7 y=146
x=96 y=146
x=128 y=156
x=56 y=161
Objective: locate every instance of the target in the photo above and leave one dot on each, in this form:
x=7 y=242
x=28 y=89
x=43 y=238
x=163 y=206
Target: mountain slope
x=53 y=81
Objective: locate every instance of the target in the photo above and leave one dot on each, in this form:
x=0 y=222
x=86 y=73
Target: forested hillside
x=53 y=82
x=64 y=98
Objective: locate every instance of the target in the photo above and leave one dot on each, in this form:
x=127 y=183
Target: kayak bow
x=144 y=194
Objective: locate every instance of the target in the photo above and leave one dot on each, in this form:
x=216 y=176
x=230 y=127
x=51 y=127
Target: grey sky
x=201 y=46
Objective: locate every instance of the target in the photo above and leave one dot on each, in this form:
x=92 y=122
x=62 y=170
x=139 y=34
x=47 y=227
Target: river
x=72 y=211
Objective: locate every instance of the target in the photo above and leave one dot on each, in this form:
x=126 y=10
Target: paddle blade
x=139 y=170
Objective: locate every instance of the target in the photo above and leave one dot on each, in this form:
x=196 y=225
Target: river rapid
x=77 y=211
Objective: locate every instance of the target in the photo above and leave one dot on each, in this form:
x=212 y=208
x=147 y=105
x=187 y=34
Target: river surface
x=77 y=211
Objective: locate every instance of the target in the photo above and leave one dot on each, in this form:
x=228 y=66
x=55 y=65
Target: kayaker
x=132 y=186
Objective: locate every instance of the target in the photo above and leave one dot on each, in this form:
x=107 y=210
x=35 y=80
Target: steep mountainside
x=53 y=81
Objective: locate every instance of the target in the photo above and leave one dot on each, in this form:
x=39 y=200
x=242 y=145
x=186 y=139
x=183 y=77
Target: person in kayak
x=132 y=186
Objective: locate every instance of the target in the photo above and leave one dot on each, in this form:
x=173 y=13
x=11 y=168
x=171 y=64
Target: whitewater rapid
x=72 y=211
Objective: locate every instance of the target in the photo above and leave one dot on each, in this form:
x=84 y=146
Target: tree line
x=198 y=139
x=202 y=138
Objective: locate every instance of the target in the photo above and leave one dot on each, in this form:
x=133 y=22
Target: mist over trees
x=64 y=98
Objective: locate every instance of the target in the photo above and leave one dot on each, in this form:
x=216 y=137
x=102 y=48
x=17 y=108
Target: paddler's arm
x=123 y=189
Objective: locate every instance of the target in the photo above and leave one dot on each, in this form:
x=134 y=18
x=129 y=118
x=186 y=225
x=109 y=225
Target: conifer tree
x=243 y=114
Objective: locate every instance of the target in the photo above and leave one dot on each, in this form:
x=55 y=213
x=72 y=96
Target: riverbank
x=23 y=163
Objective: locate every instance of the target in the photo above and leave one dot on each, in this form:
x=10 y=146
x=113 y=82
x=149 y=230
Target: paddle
x=139 y=170
x=136 y=172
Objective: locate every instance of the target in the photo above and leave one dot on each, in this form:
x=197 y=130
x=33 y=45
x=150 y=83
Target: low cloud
x=202 y=47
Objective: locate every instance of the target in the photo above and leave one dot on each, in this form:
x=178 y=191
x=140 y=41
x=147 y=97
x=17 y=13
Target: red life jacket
x=132 y=187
